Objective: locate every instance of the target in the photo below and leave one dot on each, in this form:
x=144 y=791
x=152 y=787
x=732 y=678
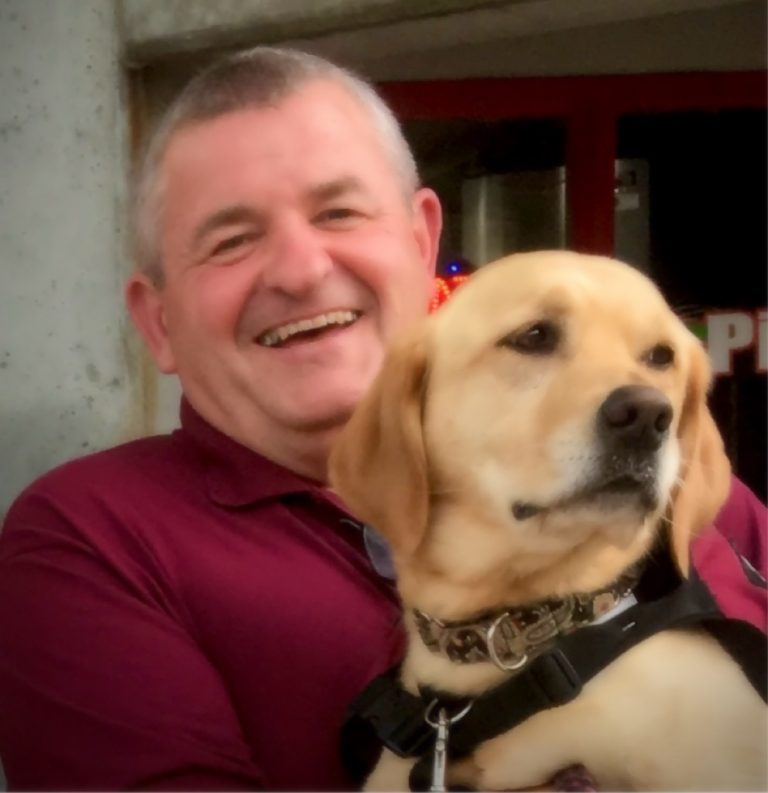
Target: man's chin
x=315 y=419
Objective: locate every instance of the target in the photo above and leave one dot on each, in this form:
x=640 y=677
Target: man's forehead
x=313 y=95
x=328 y=154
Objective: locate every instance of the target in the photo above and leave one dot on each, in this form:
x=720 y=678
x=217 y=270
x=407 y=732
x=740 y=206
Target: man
x=195 y=611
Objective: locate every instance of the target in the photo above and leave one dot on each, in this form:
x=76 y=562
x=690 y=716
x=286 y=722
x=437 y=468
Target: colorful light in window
x=444 y=288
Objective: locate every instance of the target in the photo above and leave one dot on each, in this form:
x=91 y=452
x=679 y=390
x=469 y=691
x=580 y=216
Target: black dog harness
x=402 y=722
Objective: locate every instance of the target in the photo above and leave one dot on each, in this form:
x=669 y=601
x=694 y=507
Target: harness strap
x=386 y=710
x=557 y=677
x=383 y=714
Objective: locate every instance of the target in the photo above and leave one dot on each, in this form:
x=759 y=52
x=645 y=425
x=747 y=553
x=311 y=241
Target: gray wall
x=414 y=39
x=66 y=386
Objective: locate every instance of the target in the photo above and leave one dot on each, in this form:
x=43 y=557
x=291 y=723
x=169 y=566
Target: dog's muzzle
x=632 y=426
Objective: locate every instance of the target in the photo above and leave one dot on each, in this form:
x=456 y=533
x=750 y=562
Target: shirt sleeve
x=100 y=688
x=743 y=521
x=719 y=566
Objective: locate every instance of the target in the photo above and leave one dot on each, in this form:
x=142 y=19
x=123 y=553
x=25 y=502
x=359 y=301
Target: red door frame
x=590 y=108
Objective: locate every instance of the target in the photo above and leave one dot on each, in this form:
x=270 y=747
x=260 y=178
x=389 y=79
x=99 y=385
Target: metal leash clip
x=441 y=726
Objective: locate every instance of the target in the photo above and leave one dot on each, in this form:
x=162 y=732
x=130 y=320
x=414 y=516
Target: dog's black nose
x=635 y=416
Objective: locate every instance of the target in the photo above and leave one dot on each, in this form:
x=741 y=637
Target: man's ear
x=145 y=305
x=428 y=221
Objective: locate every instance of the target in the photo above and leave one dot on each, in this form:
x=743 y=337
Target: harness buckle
x=392 y=714
x=399 y=722
x=556 y=678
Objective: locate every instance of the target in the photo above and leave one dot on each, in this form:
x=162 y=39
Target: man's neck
x=303 y=451
x=308 y=458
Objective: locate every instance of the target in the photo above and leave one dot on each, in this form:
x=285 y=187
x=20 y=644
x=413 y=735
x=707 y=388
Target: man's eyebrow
x=327 y=191
x=241 y=213
x=237 y=213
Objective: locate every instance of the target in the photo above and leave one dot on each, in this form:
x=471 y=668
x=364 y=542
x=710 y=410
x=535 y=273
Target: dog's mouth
x=636 y=490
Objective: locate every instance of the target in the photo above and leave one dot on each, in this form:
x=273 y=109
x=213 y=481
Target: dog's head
x=529 y=438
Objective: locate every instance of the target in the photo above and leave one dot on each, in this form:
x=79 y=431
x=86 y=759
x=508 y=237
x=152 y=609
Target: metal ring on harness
x=453 y=719
x=513 y=667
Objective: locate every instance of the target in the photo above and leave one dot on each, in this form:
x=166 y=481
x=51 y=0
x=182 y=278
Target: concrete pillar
x=66 y=380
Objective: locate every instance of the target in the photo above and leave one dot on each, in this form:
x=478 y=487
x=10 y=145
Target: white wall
x=65 y=380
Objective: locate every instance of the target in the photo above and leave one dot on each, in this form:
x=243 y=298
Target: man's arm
x=100 y=687
x=739 y=527
x=743 y=520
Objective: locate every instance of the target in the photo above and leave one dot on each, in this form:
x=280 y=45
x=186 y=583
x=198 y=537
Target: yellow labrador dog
x=531 y=443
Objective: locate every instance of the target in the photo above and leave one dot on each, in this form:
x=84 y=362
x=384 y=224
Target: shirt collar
x=236 y=475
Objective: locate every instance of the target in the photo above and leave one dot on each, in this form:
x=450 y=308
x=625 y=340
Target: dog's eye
x=540 y=338
x=660 y=357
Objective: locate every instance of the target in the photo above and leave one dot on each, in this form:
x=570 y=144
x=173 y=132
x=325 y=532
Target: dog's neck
x=511 y=637
x=438 y=588
x=465 y=657
x=434 y=586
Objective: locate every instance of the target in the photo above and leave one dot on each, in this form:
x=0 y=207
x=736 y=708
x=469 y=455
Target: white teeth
x=272 y=338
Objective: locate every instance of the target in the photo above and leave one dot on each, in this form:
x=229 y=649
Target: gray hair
x=259 y=77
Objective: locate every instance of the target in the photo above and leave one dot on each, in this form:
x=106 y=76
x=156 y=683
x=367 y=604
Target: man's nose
x=298 y=259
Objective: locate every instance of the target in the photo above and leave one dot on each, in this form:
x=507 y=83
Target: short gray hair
x=258 y=77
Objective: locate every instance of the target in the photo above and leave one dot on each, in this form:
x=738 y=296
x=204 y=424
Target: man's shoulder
x=722 y=569
x=137 y=459
x=106 y=480
x=743 y=520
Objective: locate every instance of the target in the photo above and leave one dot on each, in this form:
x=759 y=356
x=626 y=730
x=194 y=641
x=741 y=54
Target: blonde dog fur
x=472 y=413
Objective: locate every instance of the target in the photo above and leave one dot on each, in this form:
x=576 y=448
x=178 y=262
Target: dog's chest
x=673 y=713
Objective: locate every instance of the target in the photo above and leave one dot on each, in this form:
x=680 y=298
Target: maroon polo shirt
x=180 y=612
x=722 y=554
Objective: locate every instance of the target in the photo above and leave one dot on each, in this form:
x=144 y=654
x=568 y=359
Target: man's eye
x=335 y=214
x=231 y=243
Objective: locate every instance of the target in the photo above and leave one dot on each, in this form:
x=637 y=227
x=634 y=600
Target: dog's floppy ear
x=704 y=479
x=378 y=464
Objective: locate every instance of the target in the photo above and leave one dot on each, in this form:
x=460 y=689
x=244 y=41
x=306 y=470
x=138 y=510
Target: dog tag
x=441 y=753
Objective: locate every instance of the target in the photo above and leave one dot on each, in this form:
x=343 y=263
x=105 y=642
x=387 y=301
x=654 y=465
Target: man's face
x=291 y=257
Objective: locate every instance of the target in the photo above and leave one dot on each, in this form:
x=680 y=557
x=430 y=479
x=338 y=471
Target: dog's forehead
x=528 y=287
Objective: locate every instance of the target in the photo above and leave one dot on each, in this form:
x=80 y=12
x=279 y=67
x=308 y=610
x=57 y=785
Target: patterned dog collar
x=513 y=637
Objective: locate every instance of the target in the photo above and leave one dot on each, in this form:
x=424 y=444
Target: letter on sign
x=727 y=333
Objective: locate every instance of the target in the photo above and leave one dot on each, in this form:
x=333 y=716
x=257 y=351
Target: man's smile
x=307 y=328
